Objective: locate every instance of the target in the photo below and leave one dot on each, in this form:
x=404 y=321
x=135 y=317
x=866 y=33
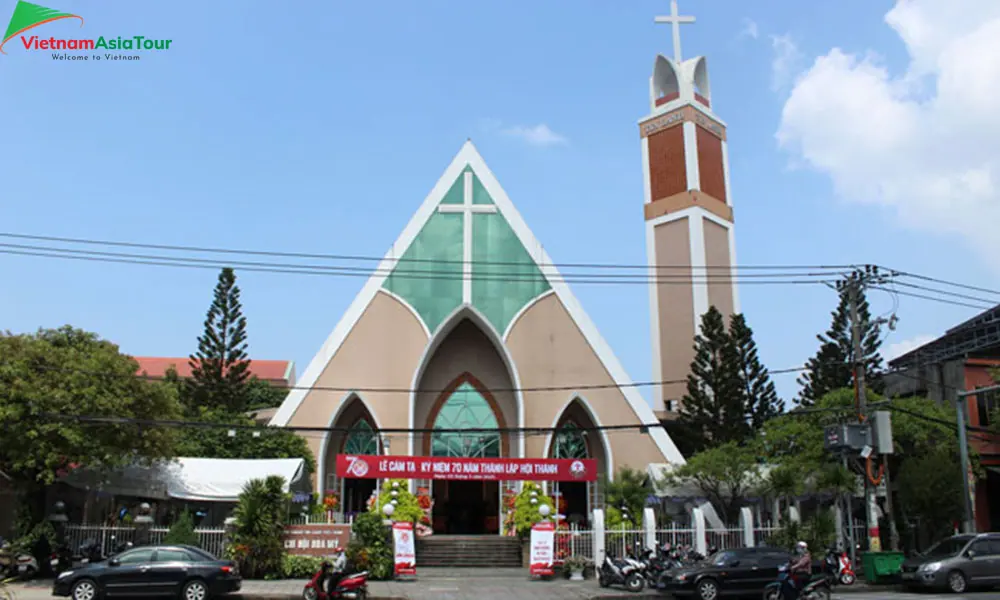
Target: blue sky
x=321 y=129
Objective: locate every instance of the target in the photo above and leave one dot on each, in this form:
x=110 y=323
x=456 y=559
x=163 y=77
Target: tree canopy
x=831 y=367
x=72 y=372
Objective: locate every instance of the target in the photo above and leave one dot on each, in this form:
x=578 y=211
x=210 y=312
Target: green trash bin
x=881 y=567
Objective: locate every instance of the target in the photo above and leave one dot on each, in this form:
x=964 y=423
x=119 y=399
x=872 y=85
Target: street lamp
x=544 y=510
x=387 y=509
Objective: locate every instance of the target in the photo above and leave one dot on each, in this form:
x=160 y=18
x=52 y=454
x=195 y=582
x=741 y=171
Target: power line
x=347 y=257
x=946 y=282
x=810 y=278
x=932 y=298
x=373 y=390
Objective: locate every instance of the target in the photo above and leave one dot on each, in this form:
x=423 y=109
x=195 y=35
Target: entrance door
x=466 y=507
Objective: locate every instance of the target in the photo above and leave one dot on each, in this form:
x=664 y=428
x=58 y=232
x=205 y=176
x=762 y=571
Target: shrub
x=525 y=512
x=257 y=544
x=300 y=567
x=369 y=549
x=819 y=532
x=182 y=532
x=407 y=506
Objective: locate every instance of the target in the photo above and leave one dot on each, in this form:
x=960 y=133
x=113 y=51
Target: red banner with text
x=353 y=466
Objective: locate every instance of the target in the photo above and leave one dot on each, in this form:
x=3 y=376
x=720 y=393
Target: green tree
x=930 y=491
x=726 y=475
x=526 y=512
x=760 y=400
x=214 y=440
x=69 y=372
x=261 y=394
x=406 y=509
x=628 y=490
x=221 y=367
x=712 y=410
x=831 y=368
x=182 y=532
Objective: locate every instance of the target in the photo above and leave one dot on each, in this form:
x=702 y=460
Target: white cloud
x=924 y=143
x=787 y=61
x=538 y=135
x=749 y=30
x=894 y=351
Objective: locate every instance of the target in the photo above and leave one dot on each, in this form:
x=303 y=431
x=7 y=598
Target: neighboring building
x=276 y=372
x=959 y=360
x=467 y=317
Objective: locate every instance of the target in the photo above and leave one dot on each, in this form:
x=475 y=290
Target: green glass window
x=466 y=409
x=570 y=442
x=361 y=439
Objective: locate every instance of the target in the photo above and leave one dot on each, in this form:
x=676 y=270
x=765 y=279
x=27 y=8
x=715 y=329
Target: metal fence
x=615 y=541
x=575 y=541
x=328 y=518
x=675 y=535
x=108 y=537
x=725 y=539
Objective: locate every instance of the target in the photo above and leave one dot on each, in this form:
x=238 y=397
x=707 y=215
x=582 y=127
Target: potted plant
x=576 y=565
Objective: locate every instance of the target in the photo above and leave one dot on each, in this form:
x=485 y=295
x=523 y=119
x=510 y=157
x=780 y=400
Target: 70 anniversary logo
x=28 y=16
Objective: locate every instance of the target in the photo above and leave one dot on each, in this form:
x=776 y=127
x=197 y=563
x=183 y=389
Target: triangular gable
x=448 y=191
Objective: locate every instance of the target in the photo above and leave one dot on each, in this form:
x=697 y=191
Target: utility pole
x=961 y=403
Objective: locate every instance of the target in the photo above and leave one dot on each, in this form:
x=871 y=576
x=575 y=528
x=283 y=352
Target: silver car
x=956 y=563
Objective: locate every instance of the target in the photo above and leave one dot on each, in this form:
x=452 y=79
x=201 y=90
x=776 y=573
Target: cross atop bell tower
x=688 y=212
x=675 y=21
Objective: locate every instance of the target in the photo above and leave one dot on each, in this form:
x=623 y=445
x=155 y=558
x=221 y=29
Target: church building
x=467 y=324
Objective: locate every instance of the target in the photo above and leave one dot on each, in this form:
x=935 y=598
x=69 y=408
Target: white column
x=838 y=518
x=793 y=513
x=700 y=537
x=699 y=284
x=691 y=156
x=746 y=523
x=598 y=519
x=649 y=525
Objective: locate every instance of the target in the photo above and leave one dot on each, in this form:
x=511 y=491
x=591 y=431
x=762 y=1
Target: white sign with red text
x=404 y=548
x=543 y=537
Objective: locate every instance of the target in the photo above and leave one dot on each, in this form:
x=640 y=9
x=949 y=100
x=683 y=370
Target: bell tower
x=688 y=212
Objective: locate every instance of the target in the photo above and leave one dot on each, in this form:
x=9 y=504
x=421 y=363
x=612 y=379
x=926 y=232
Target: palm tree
x=260 y=522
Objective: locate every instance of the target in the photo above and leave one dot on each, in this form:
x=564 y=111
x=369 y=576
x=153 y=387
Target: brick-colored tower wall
x=667 y=170
x=710 y=166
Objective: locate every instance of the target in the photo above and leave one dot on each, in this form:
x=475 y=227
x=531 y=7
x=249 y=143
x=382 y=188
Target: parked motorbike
x=61 y=560
x=345 y=586
x=17 y=564
x=838 y=567
x=621 y=571
x=90 y=552
x=817 y=589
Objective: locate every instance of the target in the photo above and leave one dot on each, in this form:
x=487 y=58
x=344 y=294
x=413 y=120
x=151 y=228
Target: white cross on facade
x=675 y=21
x=467 y=208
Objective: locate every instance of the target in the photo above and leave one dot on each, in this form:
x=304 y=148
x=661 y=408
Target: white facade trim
x=675 y=216
x=450 y=322
x=691 y=156
x=517 y=316
x=409 y=307
x=732 y=269
x=289 y=374
x=716 y=219
x=468 y=155
x=725 y=173
x=699 y=283
x=647 y=185
x=608 y=455
x=345 y=401
x=654 y=313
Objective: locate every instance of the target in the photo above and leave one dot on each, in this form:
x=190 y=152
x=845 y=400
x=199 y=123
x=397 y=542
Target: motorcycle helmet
x=801 y=547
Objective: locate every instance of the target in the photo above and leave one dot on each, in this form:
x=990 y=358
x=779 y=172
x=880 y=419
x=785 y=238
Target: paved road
x=501 y=584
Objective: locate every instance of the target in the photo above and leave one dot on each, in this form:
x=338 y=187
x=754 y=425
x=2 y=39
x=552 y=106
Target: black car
x=184 y=571
x=737 y=572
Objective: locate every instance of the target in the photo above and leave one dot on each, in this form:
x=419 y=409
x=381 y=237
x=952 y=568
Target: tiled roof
x=156 y=366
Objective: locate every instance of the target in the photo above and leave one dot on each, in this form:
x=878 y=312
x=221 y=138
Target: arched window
x=361 y=439
x=570 y=442
x=466 y=409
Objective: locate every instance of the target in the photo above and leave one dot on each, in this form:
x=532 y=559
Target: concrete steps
x=491 y=551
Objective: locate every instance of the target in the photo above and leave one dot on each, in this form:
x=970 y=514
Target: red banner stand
x=404 y=549
x=542 y=548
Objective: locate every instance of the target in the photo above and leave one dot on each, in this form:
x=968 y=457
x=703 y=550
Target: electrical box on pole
x=846 y=437
x=882 y=431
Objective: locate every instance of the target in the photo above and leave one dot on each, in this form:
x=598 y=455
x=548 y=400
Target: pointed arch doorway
x=466 y=507
x=576 y=437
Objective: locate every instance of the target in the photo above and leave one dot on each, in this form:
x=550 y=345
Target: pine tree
x=221 y=367
x=831 y=367
x=712 y=411
x=760 y=400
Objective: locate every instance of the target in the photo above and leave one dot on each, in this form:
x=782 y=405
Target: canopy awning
x=192 y=479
